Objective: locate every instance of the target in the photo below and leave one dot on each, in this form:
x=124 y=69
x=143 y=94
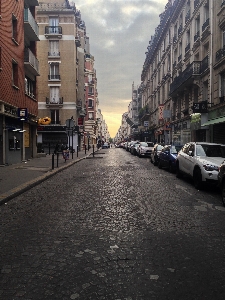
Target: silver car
x=145 y=149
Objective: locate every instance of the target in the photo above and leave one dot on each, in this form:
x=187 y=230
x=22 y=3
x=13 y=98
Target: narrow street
x=113 y=227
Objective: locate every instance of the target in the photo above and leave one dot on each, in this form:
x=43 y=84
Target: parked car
x=167 y=157
x=155 y=153
x=221 y=181
x=132 y=143
x=200 y=161
x=105 y=145
x=145 y=149
x=133 y=149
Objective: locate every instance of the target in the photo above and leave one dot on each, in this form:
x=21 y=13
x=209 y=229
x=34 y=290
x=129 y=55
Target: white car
x=200 y=161
x=145 y=149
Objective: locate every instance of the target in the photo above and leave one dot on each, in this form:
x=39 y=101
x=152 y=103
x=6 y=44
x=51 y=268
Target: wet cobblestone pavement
x=113 y=227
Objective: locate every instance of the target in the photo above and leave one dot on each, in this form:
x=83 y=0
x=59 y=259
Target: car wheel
x=178 y=173
x=197 y=177
x=223 y=192
x=151 y=160
x=155 y=162
x=159 y=164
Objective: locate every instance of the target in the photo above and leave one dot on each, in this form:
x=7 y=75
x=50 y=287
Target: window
x=90 y=90
x=14 y=29
x=54 y=71
x=54 y=95
x=55 y=116
x=90 y=116
x=54 y=25
x=29 y=87
x=205 y=90
x=15 y=73
x=54 y=48
x=90 y=103
x=223 y=39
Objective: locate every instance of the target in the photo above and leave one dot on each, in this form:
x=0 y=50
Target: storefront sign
x=161 y=111
x=22 y=114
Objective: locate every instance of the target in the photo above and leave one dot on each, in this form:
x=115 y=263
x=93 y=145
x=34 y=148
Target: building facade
x=183 y=73
x=19 y=69
x=58 y=81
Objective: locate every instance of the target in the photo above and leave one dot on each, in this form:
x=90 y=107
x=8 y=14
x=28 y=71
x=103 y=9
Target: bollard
x=93 y=150
x=52 y=161
x=49 y=148
x=72 y=152
x=57 y=159
x=85 y=149
x=77 y=150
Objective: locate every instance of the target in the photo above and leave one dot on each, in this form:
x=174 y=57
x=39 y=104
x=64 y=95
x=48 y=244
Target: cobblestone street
x=113 y=227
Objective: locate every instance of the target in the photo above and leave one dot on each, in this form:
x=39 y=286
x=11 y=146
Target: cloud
x=119 y=32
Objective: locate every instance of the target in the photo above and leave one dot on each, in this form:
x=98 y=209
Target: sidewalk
x=17 y=178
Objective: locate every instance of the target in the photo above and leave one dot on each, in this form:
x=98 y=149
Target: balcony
x=205 y=25
x=31 y=64
x=179 y=58
x=186 y=77
x=174 y=39
x=187 y=17
x=205 y=64
x=54 y=77
x=197 y=36
x=180 y=29
x=187 y=48
x=53 y=32
x=31 y=29
x=196 y=3
x=77 y=41
x=54 y=54
x=54 y=102
x=220 y=54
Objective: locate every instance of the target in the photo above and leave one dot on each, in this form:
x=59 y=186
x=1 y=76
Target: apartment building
x=91 y=96
x=19 y=69
x=183 y=73
x=58 y=82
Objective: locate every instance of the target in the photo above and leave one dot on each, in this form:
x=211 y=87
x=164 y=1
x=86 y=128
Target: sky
x=119 y=32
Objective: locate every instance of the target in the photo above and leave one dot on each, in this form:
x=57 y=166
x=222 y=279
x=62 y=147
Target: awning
x=214 y=121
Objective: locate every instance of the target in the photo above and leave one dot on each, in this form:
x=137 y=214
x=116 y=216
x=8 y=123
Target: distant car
x=167 y=157
x=105 y=145
x=155 y=153
x=145 y=149
x=201 y=162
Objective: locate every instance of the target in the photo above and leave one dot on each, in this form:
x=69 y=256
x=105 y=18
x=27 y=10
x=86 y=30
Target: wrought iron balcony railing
x=187 y=17
x=197 y=35
x=187 y=48
x=180 y=29
x=53 y=30
x=193 y=69
x=54 y=77
x=58 y=101
x=196 y=3
x=54 y=53
x=220 y=54
x=205 y=25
